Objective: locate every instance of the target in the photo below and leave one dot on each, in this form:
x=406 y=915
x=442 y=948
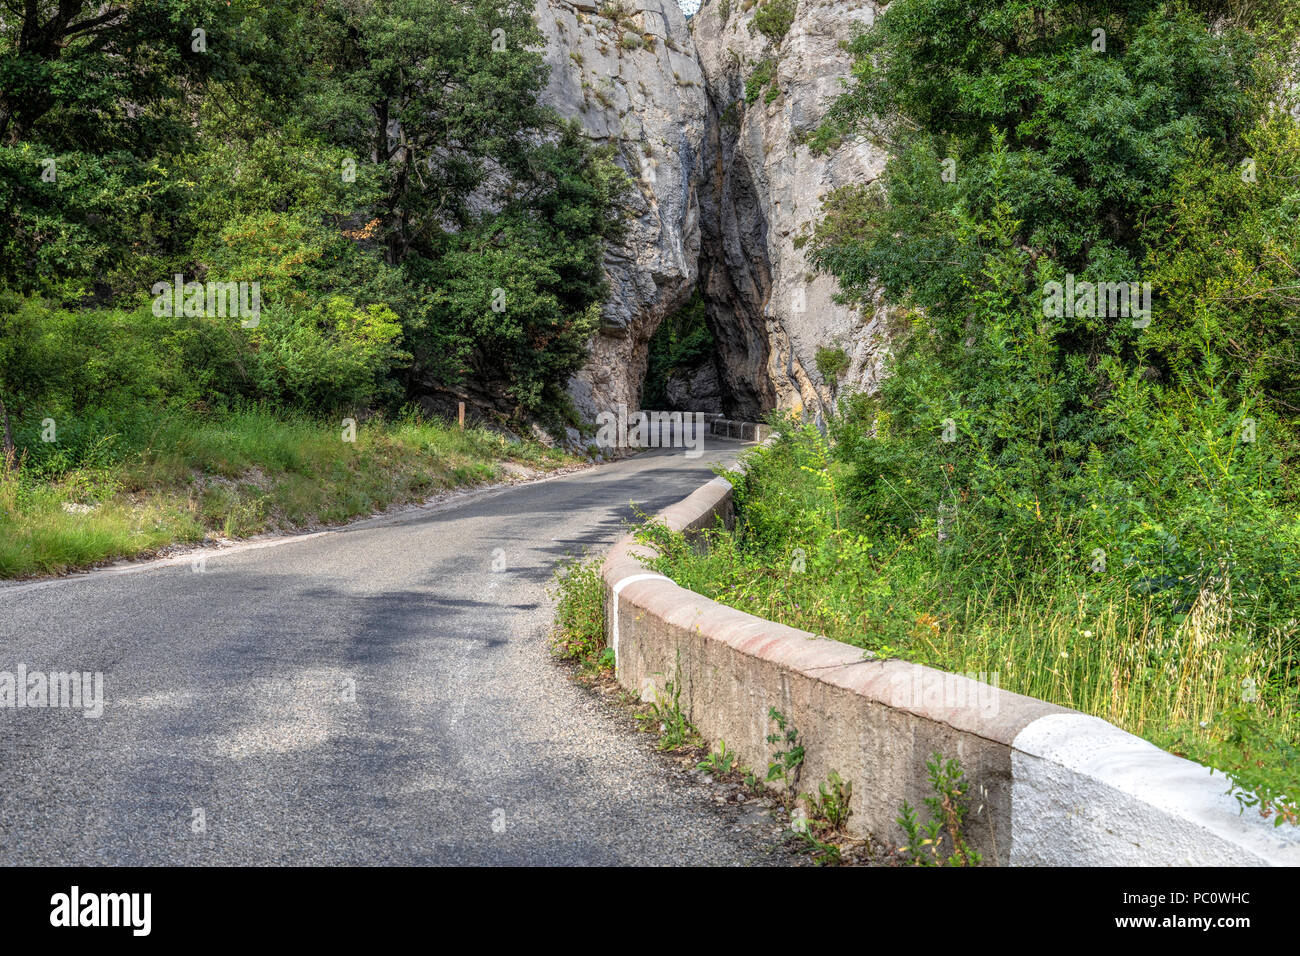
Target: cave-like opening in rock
x=682 y=372
x=712 y=353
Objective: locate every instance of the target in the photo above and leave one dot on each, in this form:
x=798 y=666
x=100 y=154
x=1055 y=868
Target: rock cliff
x=762 y=194
x=709 y=117
x=628 y=72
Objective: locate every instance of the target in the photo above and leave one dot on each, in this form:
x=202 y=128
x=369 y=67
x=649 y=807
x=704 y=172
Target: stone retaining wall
x=1049 y=786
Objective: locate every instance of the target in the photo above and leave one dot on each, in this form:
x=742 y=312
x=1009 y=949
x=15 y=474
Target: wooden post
x=8 y=447
x=462 y=415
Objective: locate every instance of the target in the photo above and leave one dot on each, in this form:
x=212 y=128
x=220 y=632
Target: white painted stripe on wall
x=618 y=589
x=1085 y=793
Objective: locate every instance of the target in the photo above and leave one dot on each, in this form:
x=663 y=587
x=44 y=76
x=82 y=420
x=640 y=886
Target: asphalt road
x=377 y=694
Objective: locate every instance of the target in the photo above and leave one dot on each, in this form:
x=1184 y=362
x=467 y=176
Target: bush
x=579 y=628
x=762 y=75
x=54 y=359
x=774 y=18
x=336 y=356
x=1232 y=299
x=64 y=363
x=832 y=363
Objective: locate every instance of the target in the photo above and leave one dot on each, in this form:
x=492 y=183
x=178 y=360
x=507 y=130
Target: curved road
x=374 y=694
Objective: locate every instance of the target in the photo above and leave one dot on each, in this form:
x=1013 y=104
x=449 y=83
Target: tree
x=373 y=164
x=1082 y=142
x=440 y=94
x=93 y=76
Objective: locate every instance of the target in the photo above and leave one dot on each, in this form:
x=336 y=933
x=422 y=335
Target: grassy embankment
x=1191 y=677
x=141 y=483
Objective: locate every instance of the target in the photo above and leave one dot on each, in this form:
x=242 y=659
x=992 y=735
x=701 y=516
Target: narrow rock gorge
x=709 y=116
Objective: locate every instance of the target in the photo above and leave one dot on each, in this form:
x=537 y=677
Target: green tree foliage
x=435 y=94
x=1224 y=253
x=95 y=101
x=67 y=69
x=518 y=291
x=763 y=75
x=773 y=18
x=379 y=167
x=681 y=343
x=1026 y=152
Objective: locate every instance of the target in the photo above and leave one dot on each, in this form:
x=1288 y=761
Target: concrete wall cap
x=1185 y=813
x=999 y=716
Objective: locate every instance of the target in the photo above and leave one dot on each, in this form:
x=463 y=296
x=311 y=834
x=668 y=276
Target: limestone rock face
x=628 y=72
x=763 y=191
x=695 y=390
x=724 y=191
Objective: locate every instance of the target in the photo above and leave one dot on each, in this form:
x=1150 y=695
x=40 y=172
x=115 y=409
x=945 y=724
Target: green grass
x=1203 y=683
x=136 y=484
x=578 y=633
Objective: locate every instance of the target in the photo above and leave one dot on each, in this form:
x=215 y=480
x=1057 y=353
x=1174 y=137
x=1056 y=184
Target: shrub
x=773 y=18
x=579 y=629
x=832 y=362
x=762 y=75
x=64 y=363
x=335 y=356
